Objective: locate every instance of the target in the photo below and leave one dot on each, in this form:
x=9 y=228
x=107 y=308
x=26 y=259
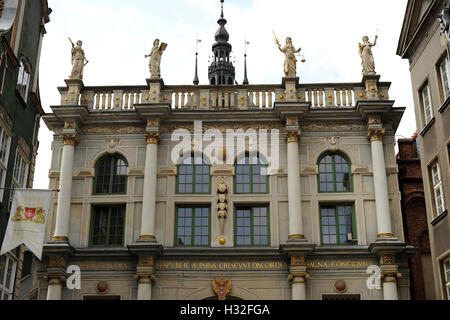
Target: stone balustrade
x=206 y=97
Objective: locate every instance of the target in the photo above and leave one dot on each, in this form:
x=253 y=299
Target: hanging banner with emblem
x=27 y=221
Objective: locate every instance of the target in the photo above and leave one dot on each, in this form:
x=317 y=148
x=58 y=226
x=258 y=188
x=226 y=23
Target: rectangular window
x=337 y=224
x=5 y=142
x=192 y=226
x=23 y=81
x=107 y=227
x=252 y=226
x=438 y=191
x=443 y=72
x=426 y=103
x=7 y=277
x=447 y=277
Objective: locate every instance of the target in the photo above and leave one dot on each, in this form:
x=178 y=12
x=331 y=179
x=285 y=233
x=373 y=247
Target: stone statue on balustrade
x=155 y=58
x=367 y=60
x=79 y=61
x=290 y=60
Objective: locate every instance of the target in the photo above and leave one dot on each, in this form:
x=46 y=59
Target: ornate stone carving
x=298 y=261
x=153 y=137
x=367 y=60
x=145 y=261
x=56 y=262
x=153 y=123
x=333 y=141
x=79 y=61
x=155 y=58
x=222 y=204
x=298 y=277
x=112 y=145
x=340 y=286
x=112 y=130
x=376 y=134
x=388 y=259
x=223 y=128
x=222 y=288
x=292 y=136
x=375 y=119
x=70 y=139
x=69 y=124
x=292 y=121
x=102 y=287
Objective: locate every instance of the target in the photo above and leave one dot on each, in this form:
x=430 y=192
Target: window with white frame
x=447 y=277
x=436 y=180
x=443 y=72
x=23 y=80
x=5 y=141
x=19 y=174
x=7 y=276
x=426 y=103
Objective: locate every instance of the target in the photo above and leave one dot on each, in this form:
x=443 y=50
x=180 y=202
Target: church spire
x=221 y=71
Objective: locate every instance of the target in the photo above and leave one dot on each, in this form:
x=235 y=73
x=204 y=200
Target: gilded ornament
x=376 y=134
x=222 y=288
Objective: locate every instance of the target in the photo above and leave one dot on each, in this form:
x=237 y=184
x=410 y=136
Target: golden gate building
x=322 y=220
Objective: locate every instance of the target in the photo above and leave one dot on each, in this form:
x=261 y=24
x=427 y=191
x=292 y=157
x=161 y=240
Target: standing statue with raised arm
x=78 y=61
x=367 y=60
x=155 y=58
x=290 y=61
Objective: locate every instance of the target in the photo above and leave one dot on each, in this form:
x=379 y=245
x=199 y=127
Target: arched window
x=111 y=175
x=251 y=175
x=335 y=173
x=194 y=175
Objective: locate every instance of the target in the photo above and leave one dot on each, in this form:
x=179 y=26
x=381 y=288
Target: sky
x=117 y=34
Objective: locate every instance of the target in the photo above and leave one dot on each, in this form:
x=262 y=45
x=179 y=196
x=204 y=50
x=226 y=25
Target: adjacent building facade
x=20 y=114
x=424 y=42
x=415 y=219
x=311 y=212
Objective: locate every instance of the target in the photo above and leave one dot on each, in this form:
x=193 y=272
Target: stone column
x=54 y=291
x=389 y=275
x=56 y=275
x=380 y=181
x=65 y=187
x=150 y=188
x=145 y=276
x=292 y=135
x=298 y=277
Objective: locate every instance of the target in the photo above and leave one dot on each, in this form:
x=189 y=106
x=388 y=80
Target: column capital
x=292 y=135
x=153 y=137
x=376 y=134
x=70 y=139
x=298 y=277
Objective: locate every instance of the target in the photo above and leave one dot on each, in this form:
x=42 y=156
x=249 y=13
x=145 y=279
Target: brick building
x=415 y=219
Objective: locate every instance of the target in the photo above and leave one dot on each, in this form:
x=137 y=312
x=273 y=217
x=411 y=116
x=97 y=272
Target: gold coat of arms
x=222 y=288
